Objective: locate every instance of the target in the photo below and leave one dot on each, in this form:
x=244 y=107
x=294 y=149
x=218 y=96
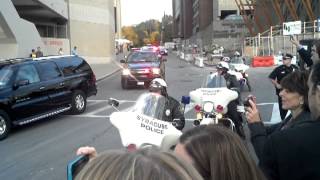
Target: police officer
x=277 y=74
x=232 y=83
x=173 y=109
x=231 y=80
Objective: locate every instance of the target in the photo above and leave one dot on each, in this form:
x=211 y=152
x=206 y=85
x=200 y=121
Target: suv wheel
x=5 y=124
x=79 y=102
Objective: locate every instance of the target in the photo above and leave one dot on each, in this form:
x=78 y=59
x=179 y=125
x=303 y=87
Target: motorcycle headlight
x=155 y=70
x=219 y=116
x=208 y=107
x=126 y=72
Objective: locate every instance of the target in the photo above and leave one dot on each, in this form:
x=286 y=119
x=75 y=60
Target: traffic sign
x=291 y=28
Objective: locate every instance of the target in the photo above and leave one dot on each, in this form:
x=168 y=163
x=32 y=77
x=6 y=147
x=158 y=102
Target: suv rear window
x=72 y=65
x=142 y=57
x=49 y=70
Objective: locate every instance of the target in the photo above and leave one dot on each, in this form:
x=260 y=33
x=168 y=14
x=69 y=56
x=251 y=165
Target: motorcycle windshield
x=236 y=60
x=150 y=104
x=214 y=80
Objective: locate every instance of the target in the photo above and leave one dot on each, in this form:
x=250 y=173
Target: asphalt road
x=42 y=150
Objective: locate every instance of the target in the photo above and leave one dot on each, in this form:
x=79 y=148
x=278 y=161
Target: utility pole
x=162 y=29
x=68 y=25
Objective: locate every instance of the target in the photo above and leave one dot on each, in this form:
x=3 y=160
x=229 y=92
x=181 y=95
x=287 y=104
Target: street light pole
x=161 y=38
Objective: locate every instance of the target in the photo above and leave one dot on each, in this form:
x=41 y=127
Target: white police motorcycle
x=142 y=125
x=139 y=127
x=212 y=100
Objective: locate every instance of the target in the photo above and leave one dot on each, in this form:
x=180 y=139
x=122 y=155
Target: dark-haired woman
x=294 y=95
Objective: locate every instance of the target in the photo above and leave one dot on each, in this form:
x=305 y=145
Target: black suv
x=141 y=67
x=33 y=89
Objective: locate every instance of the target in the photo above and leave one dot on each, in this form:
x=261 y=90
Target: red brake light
x=146 y=70
x=131 y=147
x=219 y=108
x=197 y=108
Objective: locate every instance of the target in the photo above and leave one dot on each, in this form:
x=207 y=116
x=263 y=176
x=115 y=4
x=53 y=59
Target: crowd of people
x=38 y=53
x=287 y=150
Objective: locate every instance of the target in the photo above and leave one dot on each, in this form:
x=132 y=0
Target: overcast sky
x=137 y=11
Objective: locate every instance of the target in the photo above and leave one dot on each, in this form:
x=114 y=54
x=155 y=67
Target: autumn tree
x=128 y=32
x=149 y=32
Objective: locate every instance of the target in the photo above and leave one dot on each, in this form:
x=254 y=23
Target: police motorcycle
x=142 y=126
x=139 y=127
x=238 y=68
x=211 y=102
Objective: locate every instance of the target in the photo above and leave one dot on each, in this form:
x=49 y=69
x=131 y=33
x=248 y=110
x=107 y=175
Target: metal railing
x=273 y=41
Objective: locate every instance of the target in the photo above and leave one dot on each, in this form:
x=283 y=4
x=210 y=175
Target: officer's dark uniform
x=173 y=110
x=232 y=113
x=278 y=74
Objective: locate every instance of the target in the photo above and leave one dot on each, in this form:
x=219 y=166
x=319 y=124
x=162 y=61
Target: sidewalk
x=104 y=70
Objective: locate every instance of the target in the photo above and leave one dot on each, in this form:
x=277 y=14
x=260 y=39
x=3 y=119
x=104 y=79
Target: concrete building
x=54 y=24
x=207 y=22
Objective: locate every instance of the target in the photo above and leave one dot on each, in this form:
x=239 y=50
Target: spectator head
x=315 y=52
x=296 y=84
x=286 y=59
x=38 y=48
x=143 y=164
x=314 y=91
x=217 y=153
x=75 y=47
x=33 y=50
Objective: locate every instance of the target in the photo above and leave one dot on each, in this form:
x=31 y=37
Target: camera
x=246 y=102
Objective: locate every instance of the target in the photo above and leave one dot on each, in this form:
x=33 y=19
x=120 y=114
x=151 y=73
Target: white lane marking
x=275 y=118
x=90 y=116
x=97 y=100
x=104 y=108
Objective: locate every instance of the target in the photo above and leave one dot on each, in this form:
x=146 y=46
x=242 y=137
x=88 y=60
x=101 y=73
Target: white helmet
x=159 y=81
x=223 y=65
x=157 y=85
x=236 y=53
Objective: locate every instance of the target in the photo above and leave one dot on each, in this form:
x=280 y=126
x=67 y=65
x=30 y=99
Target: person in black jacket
x=276 y=76
x=232 y=83
x=173 y=110
x=308 y=58
x=294 y=95
x=295 y=153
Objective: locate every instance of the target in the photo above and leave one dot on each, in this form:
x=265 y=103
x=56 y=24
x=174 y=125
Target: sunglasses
x=286 y=58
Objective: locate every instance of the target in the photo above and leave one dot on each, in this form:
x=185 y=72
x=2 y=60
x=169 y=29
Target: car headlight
x=125 y=72
x=208 y=107
x=155 y=71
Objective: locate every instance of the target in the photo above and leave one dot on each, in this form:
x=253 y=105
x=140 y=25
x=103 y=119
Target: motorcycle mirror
x=113 y=102
x=185 y=100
